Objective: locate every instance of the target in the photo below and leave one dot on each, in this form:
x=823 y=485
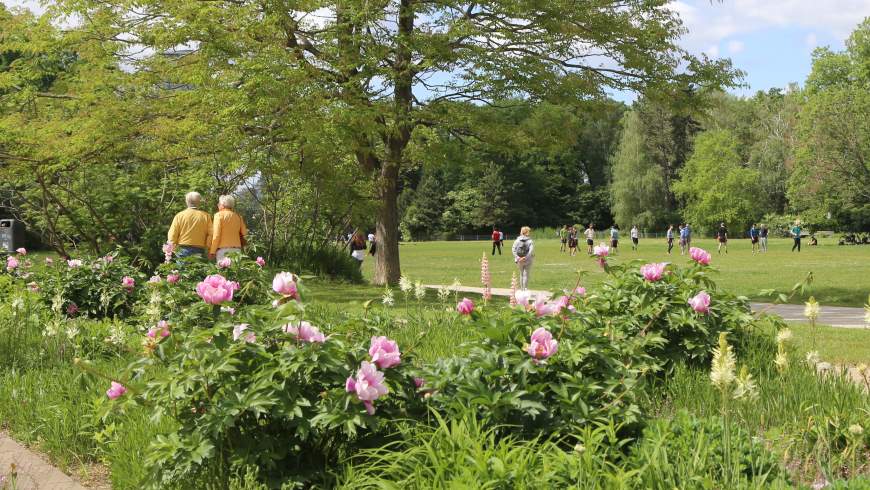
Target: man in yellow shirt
x=190 y=231
x=229 y=232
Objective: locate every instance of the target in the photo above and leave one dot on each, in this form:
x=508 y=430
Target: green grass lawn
x=834 y=345
x=842 y=273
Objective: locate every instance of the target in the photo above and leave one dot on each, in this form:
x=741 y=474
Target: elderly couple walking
x=194 y=233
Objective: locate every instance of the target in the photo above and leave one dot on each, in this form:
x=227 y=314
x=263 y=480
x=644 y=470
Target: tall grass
x=804 y=416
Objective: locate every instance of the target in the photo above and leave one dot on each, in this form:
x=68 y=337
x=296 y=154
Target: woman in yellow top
x=229 y=232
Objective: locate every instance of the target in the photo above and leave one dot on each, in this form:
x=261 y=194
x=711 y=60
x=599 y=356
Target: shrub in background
x=90 y=287
x=639 y=307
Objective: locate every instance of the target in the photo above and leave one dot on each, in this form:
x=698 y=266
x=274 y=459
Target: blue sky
x=771 y=40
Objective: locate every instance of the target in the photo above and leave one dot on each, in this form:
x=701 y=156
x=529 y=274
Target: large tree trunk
x=387 y=268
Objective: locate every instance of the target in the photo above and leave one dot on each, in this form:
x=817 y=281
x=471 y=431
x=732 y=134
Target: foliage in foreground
x=270 y=403
x=682 y=453
x=260 y=386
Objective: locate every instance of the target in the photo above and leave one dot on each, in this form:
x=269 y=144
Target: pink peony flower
x=385 y=352
x=580 y=291
x=109 y=259
x=155 y=279
x=128 y=282
x=72 y=309
x=700 y=302
x=116 y=391
x=239 y=329
x=224 y=263
x=33 y=287
x=173 y=278
x=49 y=261
x=368 y=385
x=11 y=263
x=601 y=251
x=21 y=251
x=73 y=263
x=168 y=250
x=546 y=308
x=261 y=261
x=653 y=272
x=306 y=332
x=284 y=284
x=465 y=307
x=700 y=255
x=522 y=298
x=542 y=344
x=215 y=289
x=419 y=382
x=161 y=329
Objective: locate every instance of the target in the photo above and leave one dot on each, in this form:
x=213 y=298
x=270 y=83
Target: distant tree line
x=798 y=152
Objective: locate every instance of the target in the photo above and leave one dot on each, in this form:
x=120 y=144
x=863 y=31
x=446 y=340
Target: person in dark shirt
x=722 y=236
x=753 y=238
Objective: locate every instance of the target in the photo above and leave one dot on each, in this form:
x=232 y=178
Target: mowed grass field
x=842 y=273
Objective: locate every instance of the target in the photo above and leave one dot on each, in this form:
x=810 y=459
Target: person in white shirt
x=590 y=238
x=373 y=247
x=634 y=237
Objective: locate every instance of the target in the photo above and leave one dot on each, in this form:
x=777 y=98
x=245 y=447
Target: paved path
x=835 y=316
x=31 y=471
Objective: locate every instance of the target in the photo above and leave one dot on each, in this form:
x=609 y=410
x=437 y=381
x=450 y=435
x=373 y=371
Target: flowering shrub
x=684 y=306
x=278 y=392
x=101 y=287
x=262 y=386
x=547 y=375
x=178 y=292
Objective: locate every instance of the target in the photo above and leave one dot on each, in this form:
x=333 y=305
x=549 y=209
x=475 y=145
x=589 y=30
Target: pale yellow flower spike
x=811 y=311
x=723 y=364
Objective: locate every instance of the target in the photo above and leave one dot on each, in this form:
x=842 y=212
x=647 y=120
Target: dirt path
x=26 y=470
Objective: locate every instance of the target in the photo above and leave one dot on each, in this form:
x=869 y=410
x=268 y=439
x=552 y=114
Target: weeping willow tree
x=638 y=189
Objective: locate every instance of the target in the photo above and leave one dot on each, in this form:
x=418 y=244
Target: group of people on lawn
x=195 y=232
x=523 y=247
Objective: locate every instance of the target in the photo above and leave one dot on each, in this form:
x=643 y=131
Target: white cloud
x=714 y=22
x=33 y=5
x=712 y=51
x=735 y=47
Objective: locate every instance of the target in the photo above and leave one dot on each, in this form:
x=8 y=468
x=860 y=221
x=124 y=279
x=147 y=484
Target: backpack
x=496 y=236
x=523 y=248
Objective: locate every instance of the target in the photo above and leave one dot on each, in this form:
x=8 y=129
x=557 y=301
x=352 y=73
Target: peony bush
x=102 y=287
